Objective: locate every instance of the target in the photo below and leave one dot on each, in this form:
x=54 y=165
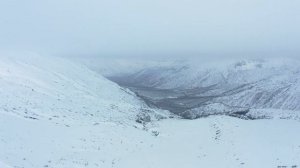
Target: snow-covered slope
x=251 y=83
x=196 y=73
x=221 y=142
x=48 y=105
x=57 y=114
x=208 y=142
x=44 y=88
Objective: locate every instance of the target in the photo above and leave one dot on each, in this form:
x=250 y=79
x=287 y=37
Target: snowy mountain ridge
x=190 y=74
x=252 y=84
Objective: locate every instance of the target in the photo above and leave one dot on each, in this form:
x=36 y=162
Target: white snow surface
x=2 y=165
x=53 y=88
x=207 y=142
x=58 y=114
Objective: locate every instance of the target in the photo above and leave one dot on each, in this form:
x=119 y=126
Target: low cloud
x=156 y=28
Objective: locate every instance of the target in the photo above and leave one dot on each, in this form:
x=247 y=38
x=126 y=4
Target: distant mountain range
x=249 y=84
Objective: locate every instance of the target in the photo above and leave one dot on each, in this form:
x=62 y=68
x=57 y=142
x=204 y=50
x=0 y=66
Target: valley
x=235 y=90
x=59 y=114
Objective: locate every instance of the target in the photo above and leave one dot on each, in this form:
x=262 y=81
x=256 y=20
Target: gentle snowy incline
x=36 y=144
x=210 y=142
x=221 y=142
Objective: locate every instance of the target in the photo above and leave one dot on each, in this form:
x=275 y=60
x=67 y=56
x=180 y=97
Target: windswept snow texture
x=186 y=86
x=57 y=114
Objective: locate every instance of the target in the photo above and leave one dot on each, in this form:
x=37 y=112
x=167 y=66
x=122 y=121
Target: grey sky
x=151 y=27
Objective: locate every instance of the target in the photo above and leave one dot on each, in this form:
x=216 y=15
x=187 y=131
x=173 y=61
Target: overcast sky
x=153 y=28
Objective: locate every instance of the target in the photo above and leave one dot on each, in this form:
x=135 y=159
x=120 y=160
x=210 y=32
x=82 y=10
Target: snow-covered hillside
x=58 y=114
x=43 y=99
x=250 y=83
x=207 y=142
x=188 y=74
x=42 y=88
